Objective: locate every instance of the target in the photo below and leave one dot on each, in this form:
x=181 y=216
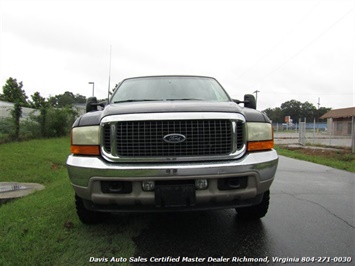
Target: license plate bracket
x=175 y=196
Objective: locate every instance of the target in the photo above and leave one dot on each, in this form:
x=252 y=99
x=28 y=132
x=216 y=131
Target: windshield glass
x=170 y=89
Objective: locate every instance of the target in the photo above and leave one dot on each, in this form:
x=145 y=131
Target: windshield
x=170 y=89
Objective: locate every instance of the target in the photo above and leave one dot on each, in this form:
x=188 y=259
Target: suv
x=171 y=143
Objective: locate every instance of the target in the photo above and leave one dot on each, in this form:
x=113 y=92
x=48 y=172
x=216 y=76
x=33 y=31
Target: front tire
x=257 y=211
x=86 y=216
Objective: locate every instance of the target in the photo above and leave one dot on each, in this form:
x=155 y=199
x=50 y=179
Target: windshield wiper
x=141 y=100
x=158 y=100
x=185 y=99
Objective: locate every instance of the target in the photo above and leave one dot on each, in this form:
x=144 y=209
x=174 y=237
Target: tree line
x=53 y=119
x=296 y=110
x=13 y=92
x=56 y=114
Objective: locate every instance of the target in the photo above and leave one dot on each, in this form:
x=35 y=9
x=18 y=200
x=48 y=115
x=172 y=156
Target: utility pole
x=318 y=108
x=256 y=95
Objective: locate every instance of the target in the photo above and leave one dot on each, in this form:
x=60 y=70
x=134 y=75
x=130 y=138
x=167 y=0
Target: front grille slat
x=107 y=138
x=144 y=139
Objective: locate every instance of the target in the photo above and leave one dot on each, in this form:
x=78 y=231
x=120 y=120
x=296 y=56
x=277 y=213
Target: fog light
x=201 y=184
x=148 y=185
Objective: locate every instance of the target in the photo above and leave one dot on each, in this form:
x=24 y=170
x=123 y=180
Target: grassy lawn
x=43 y=228
x=339 y=159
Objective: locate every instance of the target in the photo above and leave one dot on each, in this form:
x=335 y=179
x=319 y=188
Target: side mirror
x=91 y=104
x=249 y=101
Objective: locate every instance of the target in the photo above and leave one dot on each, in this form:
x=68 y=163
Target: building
x=340 y=121
x=6 y=107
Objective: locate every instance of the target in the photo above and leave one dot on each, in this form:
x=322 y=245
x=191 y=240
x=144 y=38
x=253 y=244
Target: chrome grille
x=205 y=137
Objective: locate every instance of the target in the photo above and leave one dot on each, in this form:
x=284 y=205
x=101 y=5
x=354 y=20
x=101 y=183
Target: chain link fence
x=304 y=134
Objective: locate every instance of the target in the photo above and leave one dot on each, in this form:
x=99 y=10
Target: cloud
x=284 y=49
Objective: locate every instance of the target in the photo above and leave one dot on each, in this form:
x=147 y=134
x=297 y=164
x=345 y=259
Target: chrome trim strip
x=172 y=116
x=83 y=168
x=113 y=139
x=234 y=138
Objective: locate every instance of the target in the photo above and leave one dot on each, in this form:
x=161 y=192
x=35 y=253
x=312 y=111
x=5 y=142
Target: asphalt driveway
x=311 y=218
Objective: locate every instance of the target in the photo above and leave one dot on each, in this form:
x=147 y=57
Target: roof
x=340 y=113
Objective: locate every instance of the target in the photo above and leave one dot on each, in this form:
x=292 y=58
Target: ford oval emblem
x=174 y=138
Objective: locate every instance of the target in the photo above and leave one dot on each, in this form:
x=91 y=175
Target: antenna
x=109 y=78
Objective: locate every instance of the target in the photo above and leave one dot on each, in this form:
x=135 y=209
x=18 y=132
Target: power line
x=278 y=42
x=292 y=93
x=304 y=48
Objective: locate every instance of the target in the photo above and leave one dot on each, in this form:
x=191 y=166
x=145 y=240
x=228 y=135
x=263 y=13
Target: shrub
x=49 y=122
x=58 y=122
x=6 y=126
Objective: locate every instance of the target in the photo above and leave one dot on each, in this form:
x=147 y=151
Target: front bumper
x=86 y=174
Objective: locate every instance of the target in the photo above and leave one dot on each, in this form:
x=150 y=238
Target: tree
x=291 y=108
x=56 y=114
x=16 y=114
x=67 y=99
x=62 y=100
x=308 y=111
x=296 y=110
x=275 y=114
x=38 y=102
x=79 y=98
x=12 y=92
x=322 y=110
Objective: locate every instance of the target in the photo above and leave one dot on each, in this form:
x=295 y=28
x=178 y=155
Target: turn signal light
x=260 y=145
x=85 y=149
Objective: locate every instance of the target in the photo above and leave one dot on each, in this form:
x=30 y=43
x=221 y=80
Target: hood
x=171 y=106
x=94 y=118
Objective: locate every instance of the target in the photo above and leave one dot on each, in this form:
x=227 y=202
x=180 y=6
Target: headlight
x=259 y=136
x=85 y=140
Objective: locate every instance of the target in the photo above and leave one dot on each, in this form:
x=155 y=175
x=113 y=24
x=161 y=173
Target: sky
x=283 y=50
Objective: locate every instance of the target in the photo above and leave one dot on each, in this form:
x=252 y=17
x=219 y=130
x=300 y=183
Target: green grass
x=340 y=159
x=43 y=228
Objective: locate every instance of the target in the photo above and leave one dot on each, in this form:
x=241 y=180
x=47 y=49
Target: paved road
x=311 y=215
